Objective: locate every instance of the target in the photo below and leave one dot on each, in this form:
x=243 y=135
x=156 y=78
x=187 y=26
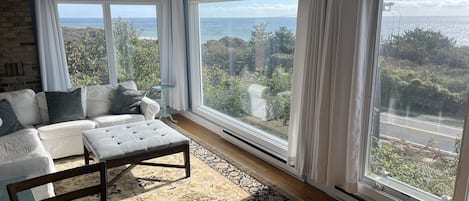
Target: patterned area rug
x=212 y=178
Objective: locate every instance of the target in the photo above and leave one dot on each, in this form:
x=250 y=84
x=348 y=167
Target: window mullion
x=110 y=43
x=461 y=190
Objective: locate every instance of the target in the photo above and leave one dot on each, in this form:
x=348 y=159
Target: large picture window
x=420 y=95
x=242 y=69
x=108 y=43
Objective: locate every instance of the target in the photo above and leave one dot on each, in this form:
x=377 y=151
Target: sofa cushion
x=8 y=121
x=129 y=85
x=64 y=106
x=42 y=103
x=64 y=129
x=112 y=120
x=126 y=101
x=24 y=104
x=20 y=144
x=99 y=99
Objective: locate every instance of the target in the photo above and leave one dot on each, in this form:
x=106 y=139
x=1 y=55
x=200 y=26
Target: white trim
x=111 y=55
x=461 y=191
x=132 y=2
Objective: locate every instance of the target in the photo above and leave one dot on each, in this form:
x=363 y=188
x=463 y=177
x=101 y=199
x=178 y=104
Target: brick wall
x=19 y=64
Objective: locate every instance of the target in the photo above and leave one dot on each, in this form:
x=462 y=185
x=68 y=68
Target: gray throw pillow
x=126 y=101
x=64 y=106
x=8 y=121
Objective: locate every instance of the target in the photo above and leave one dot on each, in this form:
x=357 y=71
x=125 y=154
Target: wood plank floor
x=286 y=183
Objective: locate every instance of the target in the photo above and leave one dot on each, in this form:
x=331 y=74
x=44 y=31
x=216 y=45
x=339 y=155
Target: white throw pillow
x=99 y=99
x=24 y=104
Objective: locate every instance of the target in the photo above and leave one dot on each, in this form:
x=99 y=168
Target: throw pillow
x=9 y=121
x=126 y=101
x=64 y=106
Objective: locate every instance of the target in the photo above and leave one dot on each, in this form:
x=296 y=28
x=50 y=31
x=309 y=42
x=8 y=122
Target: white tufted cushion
x=24 y=104
x=130 y=139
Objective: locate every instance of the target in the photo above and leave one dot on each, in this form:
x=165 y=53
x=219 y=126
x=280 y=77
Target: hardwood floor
x=286 y=183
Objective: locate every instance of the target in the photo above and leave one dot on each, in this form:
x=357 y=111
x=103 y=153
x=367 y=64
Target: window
x=420 y=95
x=242 y=67
x=85 y=45
x=110 y=43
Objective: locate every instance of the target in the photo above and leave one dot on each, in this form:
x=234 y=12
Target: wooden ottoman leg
x=187 y=162
x=87 y=155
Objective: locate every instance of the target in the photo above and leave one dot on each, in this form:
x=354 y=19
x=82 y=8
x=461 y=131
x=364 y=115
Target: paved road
x=418 y=131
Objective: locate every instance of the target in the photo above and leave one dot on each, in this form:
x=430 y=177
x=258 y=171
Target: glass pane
x=421 y=94
x=85 y=43
x=247 y=60
x=136 y=43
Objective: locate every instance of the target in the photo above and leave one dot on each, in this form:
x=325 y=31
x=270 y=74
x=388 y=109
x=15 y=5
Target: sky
x=269 y=8
x=428 y=8
x=239 y=8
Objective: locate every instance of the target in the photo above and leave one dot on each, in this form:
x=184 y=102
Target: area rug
x=212 y=178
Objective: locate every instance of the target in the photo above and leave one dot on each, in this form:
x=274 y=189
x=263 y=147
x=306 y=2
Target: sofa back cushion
x=24 y=104
x=99 y=98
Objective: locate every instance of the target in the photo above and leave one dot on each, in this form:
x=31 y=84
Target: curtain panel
x=332 y=73
x=54 y=69
x=173 y=56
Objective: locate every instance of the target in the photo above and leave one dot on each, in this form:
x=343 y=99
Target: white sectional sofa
x=29 y=152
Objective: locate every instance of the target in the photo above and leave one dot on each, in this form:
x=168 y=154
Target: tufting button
x=141 y=138
x=112 y=136
x=118 y=143
x=106 y=130
x=135 y=132
x=163 y=134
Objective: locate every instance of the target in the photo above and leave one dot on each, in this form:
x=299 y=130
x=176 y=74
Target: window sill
x=392 y=189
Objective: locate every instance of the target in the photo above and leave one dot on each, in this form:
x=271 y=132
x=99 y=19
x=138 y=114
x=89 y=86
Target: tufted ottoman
x=133 y=143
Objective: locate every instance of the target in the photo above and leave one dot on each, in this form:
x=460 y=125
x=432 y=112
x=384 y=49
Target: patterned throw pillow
x=8 y=121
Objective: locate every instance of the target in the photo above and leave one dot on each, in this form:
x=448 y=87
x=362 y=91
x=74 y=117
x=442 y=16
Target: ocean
x=456 y=28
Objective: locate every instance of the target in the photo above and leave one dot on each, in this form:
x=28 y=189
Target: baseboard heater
x=254 y=146
x=342 y=194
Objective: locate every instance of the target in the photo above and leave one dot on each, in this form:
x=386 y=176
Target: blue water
x=456 y=28
x=215 y=28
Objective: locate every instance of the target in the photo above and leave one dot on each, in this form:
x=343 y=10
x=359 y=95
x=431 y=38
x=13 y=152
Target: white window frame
x=272 y=144
x=387 y=188
x=107 y=20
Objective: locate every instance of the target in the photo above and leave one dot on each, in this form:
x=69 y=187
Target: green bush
x=402 y=161
x=137 y=58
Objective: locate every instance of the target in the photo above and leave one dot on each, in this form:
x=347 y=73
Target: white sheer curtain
x=173 y=52
x=331 y=75
x=54 y=70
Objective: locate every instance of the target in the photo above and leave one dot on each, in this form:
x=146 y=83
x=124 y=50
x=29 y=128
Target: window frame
x=273 y=145
x=107 y=26
x=387 y=189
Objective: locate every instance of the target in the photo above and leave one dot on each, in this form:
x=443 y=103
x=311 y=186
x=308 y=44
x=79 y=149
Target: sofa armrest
x=149 y=108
